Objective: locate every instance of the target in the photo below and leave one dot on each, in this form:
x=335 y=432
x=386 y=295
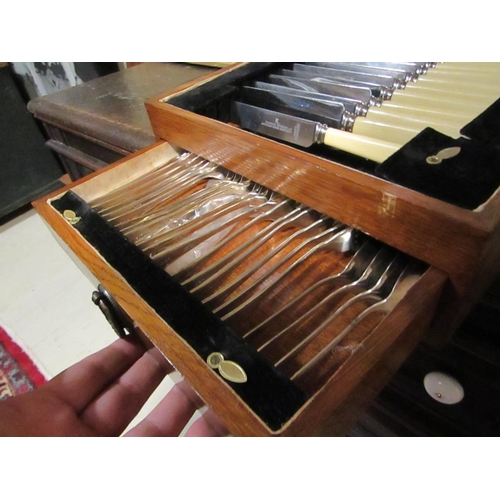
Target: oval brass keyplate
x=228 y=369
x=444 y=154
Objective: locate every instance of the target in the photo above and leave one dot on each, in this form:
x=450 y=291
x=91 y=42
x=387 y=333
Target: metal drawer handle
x=117 y=318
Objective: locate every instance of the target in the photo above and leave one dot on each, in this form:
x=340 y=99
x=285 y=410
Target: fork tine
x=145 y=189
x=176 y=209
x=179 y=162
x=244 y=200
x=336 y=229
x=376 y=279
x=184 y=214
x=188 y=273
x=355 y=269
x=228 y=288
x=373 y=269
x=210 y=279
x=169 y=254
x=384 y=305
x=150 y=203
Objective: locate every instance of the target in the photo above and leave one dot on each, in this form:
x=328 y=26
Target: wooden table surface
x=111 y=108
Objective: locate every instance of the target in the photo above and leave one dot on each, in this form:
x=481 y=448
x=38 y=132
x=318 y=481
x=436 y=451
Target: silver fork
x=170 y=251
x=179 y=213
x=338 y=234
x=370 y=276
x=180 y=162
x=212 y=275
x=137 y=208
x=388 y=296
x=353 y=271
x=230 y=287
x=277 y=208
x=376 y=280
x=146 y=186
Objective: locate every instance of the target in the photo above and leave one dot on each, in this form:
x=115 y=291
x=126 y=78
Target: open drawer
x=284 y=320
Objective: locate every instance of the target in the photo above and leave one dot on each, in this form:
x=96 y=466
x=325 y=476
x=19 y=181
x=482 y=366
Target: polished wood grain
x=330 y=392
x=443 y=235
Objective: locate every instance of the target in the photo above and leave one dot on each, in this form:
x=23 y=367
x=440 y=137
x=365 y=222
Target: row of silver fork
x=168 y=231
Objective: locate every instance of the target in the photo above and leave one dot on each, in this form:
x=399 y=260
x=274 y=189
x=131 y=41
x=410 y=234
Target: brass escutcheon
x=228 y=369
x=444 y=154
x=71 y=216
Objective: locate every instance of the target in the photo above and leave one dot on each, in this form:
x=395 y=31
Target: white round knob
x=443 y=388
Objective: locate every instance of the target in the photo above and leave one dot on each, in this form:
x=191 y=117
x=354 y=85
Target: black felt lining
x=485 y=128
x=271 y=395
x=466 y=180
x=203 y=96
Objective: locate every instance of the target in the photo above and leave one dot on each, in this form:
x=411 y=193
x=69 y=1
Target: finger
x=169 y=418
x=82 y=382
x=111 y=412
x=208 y=425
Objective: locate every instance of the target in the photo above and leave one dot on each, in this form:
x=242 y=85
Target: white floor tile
x=45 y=301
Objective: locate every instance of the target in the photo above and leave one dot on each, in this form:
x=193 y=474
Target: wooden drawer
x=265 y=383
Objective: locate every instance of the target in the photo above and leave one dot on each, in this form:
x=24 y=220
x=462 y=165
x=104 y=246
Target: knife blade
x=305 y=133
x=399 y=78
x=261 y=101
x=378 y=90
x=417 y=68
x=331 y=113
x=350 y=105
x=360 y=94
x=398 y=73
x=350 y=76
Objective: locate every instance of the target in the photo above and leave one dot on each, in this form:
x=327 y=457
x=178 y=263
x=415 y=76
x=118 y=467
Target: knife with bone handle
x=305 y=133
x=438 y=79
x=407 y=101
x=442 y=81
x=387 y=112
x=389 y=126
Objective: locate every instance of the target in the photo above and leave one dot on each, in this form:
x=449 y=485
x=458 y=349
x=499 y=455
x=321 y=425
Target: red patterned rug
x=18 y=373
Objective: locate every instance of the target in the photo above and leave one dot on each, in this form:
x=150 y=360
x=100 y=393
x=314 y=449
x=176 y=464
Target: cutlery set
x=383 y=105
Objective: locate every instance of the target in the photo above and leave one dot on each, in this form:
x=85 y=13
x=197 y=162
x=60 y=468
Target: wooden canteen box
x=303 y=358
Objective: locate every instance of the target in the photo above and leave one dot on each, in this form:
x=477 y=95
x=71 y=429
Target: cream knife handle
x=366 y=147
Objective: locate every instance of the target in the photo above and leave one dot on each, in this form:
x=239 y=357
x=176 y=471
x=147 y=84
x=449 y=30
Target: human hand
x=100 y=396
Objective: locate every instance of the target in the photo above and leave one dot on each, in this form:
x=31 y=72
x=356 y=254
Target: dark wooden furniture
x=27 y=169
x=104 y=120
x=402 y=408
